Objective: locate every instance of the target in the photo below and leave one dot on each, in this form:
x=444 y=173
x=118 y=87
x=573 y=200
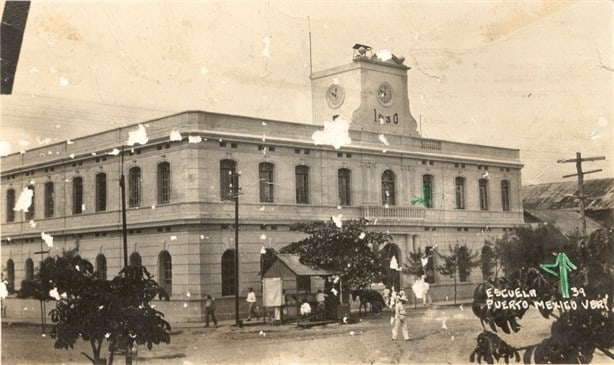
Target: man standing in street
x=251 y=301
x=210 y=310
x=400 y=317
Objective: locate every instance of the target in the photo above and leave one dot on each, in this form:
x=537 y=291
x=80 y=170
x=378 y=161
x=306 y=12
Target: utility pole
x=122 y=185
x=580 y=174
x=235 y=194
x=43 y=310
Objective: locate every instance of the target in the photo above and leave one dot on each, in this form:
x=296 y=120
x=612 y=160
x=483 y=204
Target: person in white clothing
x=400 y=317
x=251 y=301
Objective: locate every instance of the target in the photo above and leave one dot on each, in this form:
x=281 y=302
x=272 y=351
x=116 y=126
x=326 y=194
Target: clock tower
x=371 y=93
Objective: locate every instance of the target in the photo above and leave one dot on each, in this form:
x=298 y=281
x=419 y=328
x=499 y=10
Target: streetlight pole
x=235 y=193
x=122 y=184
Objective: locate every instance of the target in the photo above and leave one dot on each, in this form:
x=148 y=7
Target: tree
x=576 y=333
x=414 y=263
x=117 y=311
x=351 y=251
x=461 y=260
x=488 y=260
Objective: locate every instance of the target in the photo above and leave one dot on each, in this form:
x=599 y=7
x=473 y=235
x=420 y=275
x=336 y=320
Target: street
x=437 y=335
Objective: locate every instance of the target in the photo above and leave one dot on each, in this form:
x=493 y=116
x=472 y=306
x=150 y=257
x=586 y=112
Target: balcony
x=416 y=214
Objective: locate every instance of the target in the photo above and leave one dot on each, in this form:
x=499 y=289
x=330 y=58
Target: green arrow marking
x=565 y=265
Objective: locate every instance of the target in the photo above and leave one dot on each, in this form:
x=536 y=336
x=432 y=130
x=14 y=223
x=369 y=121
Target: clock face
x=335 y=95
x=384 y=93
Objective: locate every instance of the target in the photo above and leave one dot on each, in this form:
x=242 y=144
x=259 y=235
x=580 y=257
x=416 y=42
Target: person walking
x=251 y=301
x=210 y=310
x=386 y=295
x=400 y=317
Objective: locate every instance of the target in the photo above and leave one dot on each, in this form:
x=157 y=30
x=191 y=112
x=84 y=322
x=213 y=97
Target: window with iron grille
x=166 y=271
x=228 y=272
x=227 y=170
x=30 y=211
x=10 y=205
x=135 y=259
x=388 y=188
x=29 y=268
x=427 y=190
x=134 y=187
x=460 y=192
x=505 y=195
x=266 y=182
x=164 y=183
x=483 y=194
x=101 y=266
x=345 y=187
x=101 y=192
x=49 y=199
x=302 y=184
x=77 y=195
x=10 y=276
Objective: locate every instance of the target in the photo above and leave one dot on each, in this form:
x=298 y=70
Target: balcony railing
x=394 y=213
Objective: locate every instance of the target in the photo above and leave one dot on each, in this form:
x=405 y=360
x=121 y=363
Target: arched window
x=77 y=195
x=388 y=188
x=10 y=276
x=165 y=272
x=228 y=272
x=30 y=211
x=164 y=183
x=301 y=174
x=134 y=187
x=460 y=192
x=29 y=268
x=427 y=190
x=101 y=266
x=49 y=199
x=227 y=171
x=10 y=205
x=135 y=259
x=344 y=177
x=101 y=192
x=505 y=195
x=390 y=261
x=483 y=194
x=265 y=170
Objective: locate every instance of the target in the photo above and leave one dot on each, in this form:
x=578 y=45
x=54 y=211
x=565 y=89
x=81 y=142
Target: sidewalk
x=231 y=323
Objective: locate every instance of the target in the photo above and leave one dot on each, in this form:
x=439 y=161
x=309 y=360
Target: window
x=135 y=259
x=227 y=170
x=302 y=184
x=388 y=192
x=77 y=195
x=266 y=182
x=134 y=187
x=228 y=272
x=48 y=199
x=505 y=195
x=345 y=187
x=164 y=183
x=165 y=271
x=10 y=205
x=101 y=192
x=460 y=192
x=101 y=266
x=29 y=268
x=30 y=211
x=10 y=276
x=303 y=284
x=427 y=190
x=483 y=194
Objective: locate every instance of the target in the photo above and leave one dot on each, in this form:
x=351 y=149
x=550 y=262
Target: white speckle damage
x=46 y=140
x=137 y=136
x=69 y=142
x=263 y=236
x=384 y=55
x=173 y=238
x=337 y=220
x=602 y=121
x=23 y=142
x=3 y=290
x=24 y=201
x=32 y=224
x=595 y=135
x=54 y=294
x=266 y=52
x=194 y=139
x=335 y=133
x=176 y=136
x=114 y=152
x=384 y=140
x=63 y=81
x=362 y=235
x=72 y=155
x=47 y=238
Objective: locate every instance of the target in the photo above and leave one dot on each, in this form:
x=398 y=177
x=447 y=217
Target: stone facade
x=182 y=214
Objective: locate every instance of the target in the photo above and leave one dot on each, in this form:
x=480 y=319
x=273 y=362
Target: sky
x=537 y=76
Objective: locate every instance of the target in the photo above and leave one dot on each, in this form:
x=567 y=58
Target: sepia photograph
x=307 y=182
